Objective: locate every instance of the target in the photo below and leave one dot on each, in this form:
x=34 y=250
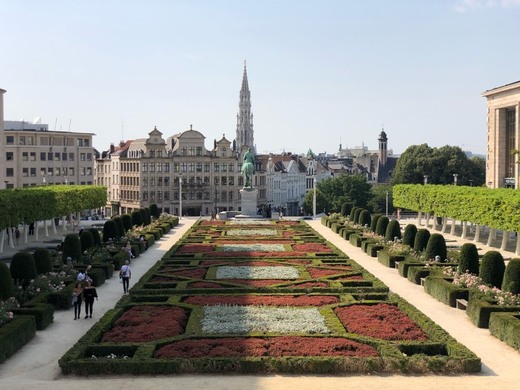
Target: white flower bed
x=245 y=272
x=253 y=248
x=249 y=222
x=252 y=232
x=245 y=319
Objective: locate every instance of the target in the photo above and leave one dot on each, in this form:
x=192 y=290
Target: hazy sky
x=320 y=72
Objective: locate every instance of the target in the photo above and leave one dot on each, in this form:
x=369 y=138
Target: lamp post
x=180 y=195
x=386 y=203
x=425 y=179
x=314 y=196
x=6 y=182
x=455 y=175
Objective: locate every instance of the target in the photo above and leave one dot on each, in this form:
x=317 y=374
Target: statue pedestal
x=249 y=198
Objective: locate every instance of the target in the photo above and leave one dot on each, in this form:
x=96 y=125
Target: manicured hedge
x=388 y=259
x=506 y=327
x=479 y=311
x=15 y=334
x=444 y=290
x=43 y=314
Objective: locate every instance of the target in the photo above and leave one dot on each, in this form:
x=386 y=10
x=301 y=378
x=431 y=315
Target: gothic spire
x=244 y=117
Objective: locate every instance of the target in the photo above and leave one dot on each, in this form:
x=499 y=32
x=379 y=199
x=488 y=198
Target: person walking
x=17 y=235
x=89 y=293
x=125 y=274
x=77 y=298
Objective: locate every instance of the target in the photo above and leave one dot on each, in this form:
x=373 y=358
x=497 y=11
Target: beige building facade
x=503 y=138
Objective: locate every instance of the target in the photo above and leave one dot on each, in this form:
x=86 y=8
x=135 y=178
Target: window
x=224 y=167
x=191 y=151
x=231 y=180
x=216 y=167
x=231 y=167
x=183 y=151
x=83 y=171
x=184 y=167
x=199 y=167
x=89 y=156
x=152 y=167
x=30 y=141
x=9 y=156
x=49 y=156
x=224 y=180
x=64 y=156
x=71 y=156
x=9 y=172
x=176 y=167
x=79 y=142
x=43 y=171
x=85 y=142
x=159 y=181
x=166 y=167
x=217 y=180
x=166 y=195
x=152 y=182
x=192 y=167
x=166 y=182
x=159 y=167
x=25 y=156
x=145 y=182
x=82 y=156
x=33 y=172
x=71 y=172
x=145 y=195
x=89 y=171
x=25 y=172
x=199 y=150
x=22 y=140
x=57 y=156
x=43 y=156
x=145 y=167
x=9 y=140
x=152 y=153
x=206 y=167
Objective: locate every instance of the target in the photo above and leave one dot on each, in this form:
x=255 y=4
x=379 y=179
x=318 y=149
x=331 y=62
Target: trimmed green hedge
x=479 y=311
x=15 y=334
x=443 y=290
x=388 y=259
x=506 y=327
x=43 y=314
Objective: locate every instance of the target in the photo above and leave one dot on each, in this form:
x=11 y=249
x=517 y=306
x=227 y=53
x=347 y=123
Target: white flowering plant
x=49 y=282
x=467 y=280
x=6 y=308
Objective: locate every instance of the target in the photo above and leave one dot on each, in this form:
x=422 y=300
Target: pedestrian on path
x=125 y=274
x=77 y=298
x=17 y=235
x=89 y=293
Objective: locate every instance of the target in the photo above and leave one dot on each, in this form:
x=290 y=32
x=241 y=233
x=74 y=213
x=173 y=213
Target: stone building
x=503 y=138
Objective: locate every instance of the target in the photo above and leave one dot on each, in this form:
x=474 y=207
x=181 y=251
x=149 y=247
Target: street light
x=455 y=175
x=314 y=197
x=6 y=183
x=425 y=179
x=387 y=203
x=180 y=195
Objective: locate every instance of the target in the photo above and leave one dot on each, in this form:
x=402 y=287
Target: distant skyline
x=320 y=73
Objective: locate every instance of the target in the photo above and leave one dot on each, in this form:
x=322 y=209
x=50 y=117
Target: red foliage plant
x=196 y=273
x=312 y=247
x=204 y=285
x=196 y=248
x=309 y=285
x=267 y=300
x=382 y=321
x=268 y=346
x=147 y=323
x=253 y=282
x=323 y=272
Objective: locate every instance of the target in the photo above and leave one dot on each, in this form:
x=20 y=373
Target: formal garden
x=40 y=281
x=486 y=286
x=260 y=296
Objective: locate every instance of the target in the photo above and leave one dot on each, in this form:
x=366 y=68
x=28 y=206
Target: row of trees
x=439 y=164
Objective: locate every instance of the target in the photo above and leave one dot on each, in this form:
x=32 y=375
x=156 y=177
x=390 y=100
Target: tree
x=321 y=202
x=440 y=164
x=343 y=189
x=378 y=202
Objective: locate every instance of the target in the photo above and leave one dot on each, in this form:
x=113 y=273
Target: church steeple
x=383 y=148
x=244 y=116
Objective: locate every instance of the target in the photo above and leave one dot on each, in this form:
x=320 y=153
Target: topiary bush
x=127 y=221
x=409 y=235
x=148 y=217
x=95 y=236
x=43 y=260
x=6 y=282
x=137 y=218
x=373 y=222
x=86 y=239
x=421 y=240
x=382 y=224
x=511 y=282
x=143 y=217
x=71 y=248
x=364 y=218
x=120 y=227
x=436 y=247
x=154 y=211
x=393 y=230
x=23 y=268
x=492 y=269
x=346 y=208
x=110 y=230
x=351 y=215
x=356 y=214
x=468 y=259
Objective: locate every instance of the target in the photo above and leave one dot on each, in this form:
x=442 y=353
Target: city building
x=32 y=155
x=503 y=138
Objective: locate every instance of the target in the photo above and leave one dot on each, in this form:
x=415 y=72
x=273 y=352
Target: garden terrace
x=248 y=307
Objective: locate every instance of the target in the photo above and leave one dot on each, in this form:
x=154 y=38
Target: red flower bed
x=382 y=321
x=268 y=300
x=196 y=248
x=323 y=272
x=204 y=285
x=312 y=247
x=147 y=323
x=309 y=285
x=350 y=277
x=254 y=282
x=269 y=346
x=197 y=273
x=257 y=240
x=162 y=279
x=302 y=262
x=254 y=254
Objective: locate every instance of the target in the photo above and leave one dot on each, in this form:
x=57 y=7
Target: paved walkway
x=36 y=365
